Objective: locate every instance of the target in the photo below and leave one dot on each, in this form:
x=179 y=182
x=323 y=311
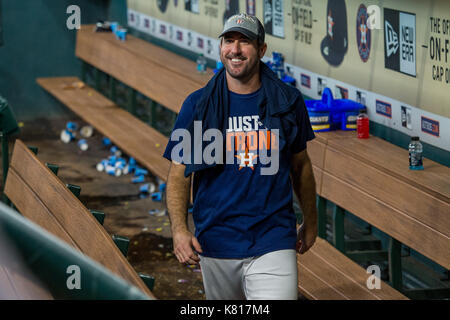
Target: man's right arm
x=178 y=196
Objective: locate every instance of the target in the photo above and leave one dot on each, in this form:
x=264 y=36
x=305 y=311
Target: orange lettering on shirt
x=264 y=139
x=252 y=139
x=240 y=141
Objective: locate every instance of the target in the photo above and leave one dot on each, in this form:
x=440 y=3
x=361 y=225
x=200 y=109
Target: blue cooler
x=330 y=114
x=319 y=112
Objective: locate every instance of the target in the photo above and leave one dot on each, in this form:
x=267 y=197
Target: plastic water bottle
x=201 y=64
x=362 y=124
x=415 y=154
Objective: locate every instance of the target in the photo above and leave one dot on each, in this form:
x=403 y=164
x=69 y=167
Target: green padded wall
x=37 y=43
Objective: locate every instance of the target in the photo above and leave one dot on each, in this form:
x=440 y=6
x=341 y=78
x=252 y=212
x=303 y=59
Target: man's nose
x=236 y=47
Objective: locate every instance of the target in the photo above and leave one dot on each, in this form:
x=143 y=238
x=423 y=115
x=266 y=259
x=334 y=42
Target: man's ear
x=262 y=50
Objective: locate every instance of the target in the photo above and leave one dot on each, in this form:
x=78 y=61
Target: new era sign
x=400 y=41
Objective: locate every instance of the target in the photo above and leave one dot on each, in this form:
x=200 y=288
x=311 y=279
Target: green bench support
x=338 y=228
x=395 y=264
x=428 y=294
x=367 y=255
x=84 y=71
x=322 y=217
x=97 y=75
x=76 y=190
x=100 y=216
x=132 y=101
x=148 y=280
x=112 y=88
x=53 y=167
x=361 y=245
x=33 y=149
x=122 y=243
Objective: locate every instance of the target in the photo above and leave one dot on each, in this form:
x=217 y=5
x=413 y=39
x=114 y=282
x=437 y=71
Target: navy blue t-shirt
x=238 y=212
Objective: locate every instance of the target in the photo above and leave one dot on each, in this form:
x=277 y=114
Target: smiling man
x=245 y=227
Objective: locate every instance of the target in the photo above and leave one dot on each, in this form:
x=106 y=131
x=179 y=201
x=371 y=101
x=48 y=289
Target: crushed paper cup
x=87 y=131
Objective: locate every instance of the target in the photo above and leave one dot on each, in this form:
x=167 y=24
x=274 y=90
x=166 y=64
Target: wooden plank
x=388 y=189
x=24 y=197
x=326 y=136
x=328 y=254
x=132 y=135
x=316 y=152
x=394 y=161
x=313 y=287
x=146 y=50
x=152 y=79
x=84 y=98
x=83 y=228
x=402 y=227
x=318 y=174
x=345 y=279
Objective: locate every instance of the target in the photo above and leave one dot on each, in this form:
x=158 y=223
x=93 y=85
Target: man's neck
x=244 y=86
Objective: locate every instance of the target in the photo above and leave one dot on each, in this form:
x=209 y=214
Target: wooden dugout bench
x=371 y=179
x=42 y=198
x=167 y=79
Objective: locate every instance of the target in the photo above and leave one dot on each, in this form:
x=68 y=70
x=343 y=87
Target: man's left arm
x=305 y=188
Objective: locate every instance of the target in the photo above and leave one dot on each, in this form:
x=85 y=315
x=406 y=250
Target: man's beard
x=246 y=72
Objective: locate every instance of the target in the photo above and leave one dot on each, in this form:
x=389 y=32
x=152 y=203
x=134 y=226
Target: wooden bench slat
x=394 y=161
x=24 y=197
x=149 y=78
x=318 y=175
x=146 y=50
x=402 y=227
x=343 y=275
x=329 y=254
x=133 y=136
x=316 y=152
x=70 y=213
x=313 y=287
x=335 y=279
x=403 y=196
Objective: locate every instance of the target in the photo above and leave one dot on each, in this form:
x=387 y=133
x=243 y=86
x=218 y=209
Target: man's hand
x=306 y=236
x=183 y=244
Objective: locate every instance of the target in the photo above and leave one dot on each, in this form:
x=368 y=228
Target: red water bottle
x=362 y=124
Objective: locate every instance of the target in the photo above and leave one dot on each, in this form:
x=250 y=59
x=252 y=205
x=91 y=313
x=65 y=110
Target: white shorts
x=272 y=276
